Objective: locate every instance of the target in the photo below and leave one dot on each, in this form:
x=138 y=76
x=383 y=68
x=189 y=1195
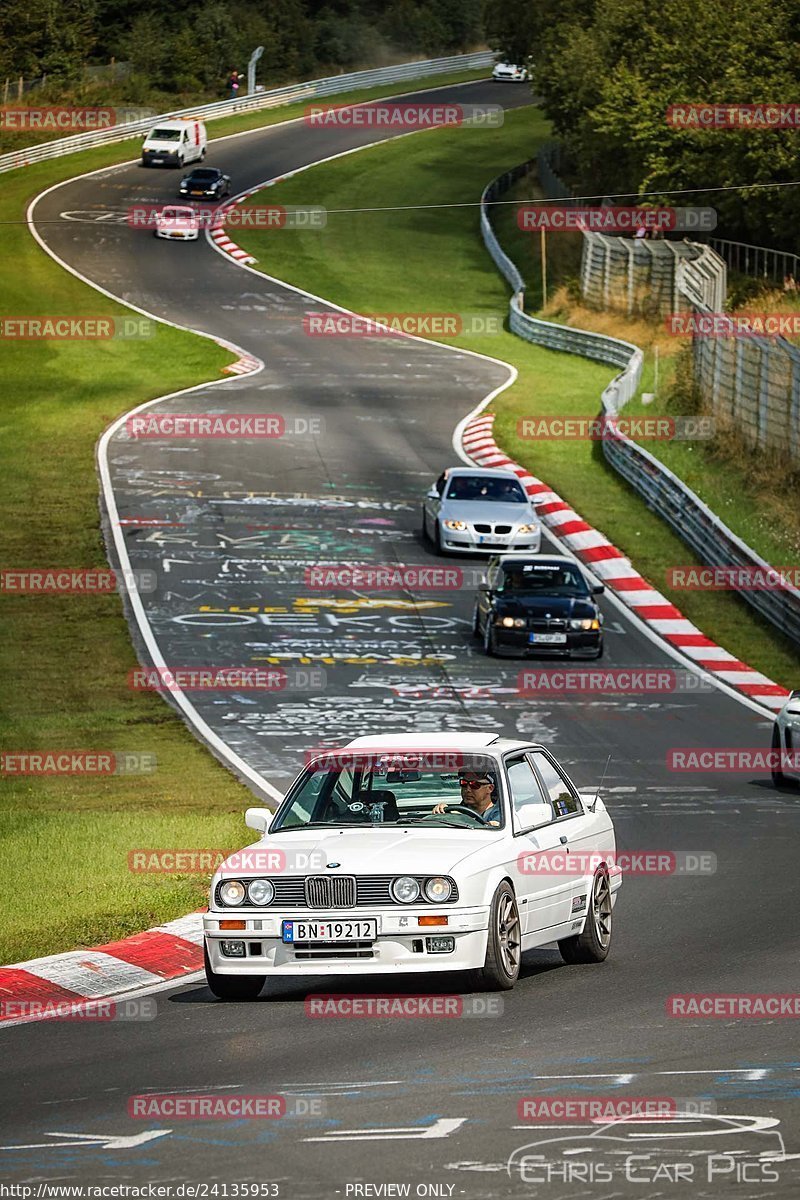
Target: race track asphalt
x=240 y=523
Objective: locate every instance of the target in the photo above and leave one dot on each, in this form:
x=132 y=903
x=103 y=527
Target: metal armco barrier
x=713 y=542
x=291 y=94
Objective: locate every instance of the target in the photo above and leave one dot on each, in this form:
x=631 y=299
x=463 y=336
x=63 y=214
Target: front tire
x=437 y=538
x=594 y=943
x=489 y=639
x=500 y=970
x=232 y=987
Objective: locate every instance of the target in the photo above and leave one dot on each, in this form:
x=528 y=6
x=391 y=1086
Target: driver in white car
x=477 y=794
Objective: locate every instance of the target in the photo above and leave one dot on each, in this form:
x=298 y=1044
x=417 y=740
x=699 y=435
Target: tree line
x=190 y=48
x=608 y=71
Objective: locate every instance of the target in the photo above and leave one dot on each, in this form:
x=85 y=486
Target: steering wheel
x=461 y=809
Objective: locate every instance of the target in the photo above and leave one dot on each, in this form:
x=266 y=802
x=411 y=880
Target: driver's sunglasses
x=473 y=783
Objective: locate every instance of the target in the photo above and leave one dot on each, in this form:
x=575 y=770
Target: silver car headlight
x=459 y=525
x=232 y=892
x=260 y=891
x=438 y=890
x=531 y=528
x=405 y=889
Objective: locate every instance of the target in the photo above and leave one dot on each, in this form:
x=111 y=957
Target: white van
x=175 y=143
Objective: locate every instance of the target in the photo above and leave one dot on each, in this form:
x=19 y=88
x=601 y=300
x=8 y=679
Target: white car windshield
x=382 y=789
x=486 y=487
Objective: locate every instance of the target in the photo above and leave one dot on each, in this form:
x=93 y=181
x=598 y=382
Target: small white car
x=178 y=221
x=510 y=73
x=473 y=510
x=412 y=854
x=786 y=740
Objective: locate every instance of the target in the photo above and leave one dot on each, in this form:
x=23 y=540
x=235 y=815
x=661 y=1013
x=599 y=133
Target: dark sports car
x=541 y=604
x=206 y=183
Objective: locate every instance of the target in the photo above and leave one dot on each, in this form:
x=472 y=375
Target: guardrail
x=547 y=333
x=713 y=542
x=291 y=94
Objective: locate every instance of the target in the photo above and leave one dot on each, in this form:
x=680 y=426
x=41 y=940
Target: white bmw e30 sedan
x=412 y=854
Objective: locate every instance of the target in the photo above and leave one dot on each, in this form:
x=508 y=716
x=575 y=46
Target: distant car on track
x=179 y=222
x=471 y=509
x=205 y=183
x=786 y=739
x=510 y=73
x=539 y=604
x=408 y=877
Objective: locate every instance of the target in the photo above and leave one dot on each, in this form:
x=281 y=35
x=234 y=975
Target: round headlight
x=232 y=892
x=405 y=889
x=438 y=890
x=260 y=891
x=508 y=622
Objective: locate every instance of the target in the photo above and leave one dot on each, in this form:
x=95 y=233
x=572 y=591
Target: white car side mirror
x=533 y=814
x=258 y=819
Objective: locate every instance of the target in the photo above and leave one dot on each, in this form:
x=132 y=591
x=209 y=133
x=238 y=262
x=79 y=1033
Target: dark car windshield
x=207 y=173
x=556 y=579
x=485 y=487
x=357 y=788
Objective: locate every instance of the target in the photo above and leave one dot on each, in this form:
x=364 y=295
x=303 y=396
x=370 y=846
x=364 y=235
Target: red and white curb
x=243 y=366
x=221 y=239
x=166 y=952
x=618 y=574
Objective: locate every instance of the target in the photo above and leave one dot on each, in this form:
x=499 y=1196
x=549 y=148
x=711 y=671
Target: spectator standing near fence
x=233 y=84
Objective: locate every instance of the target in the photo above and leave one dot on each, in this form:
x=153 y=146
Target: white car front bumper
x=468 y=541
x=399 y=948
x=180 y=235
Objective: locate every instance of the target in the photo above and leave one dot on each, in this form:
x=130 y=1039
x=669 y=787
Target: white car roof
x=500 y=472
x=493 y=745
x=424 y=741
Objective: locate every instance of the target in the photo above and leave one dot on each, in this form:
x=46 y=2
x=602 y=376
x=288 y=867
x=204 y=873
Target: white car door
x=580 y=832
x=545 y=892
x=433 y=501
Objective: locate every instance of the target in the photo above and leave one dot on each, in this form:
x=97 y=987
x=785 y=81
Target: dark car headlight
x=511 y=622
x=585 y=623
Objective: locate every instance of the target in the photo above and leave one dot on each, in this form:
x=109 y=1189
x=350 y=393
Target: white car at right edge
x=786 y=740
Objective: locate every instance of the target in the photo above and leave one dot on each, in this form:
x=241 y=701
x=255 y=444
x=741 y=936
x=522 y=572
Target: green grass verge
x=64 y=661
x=433 y=260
